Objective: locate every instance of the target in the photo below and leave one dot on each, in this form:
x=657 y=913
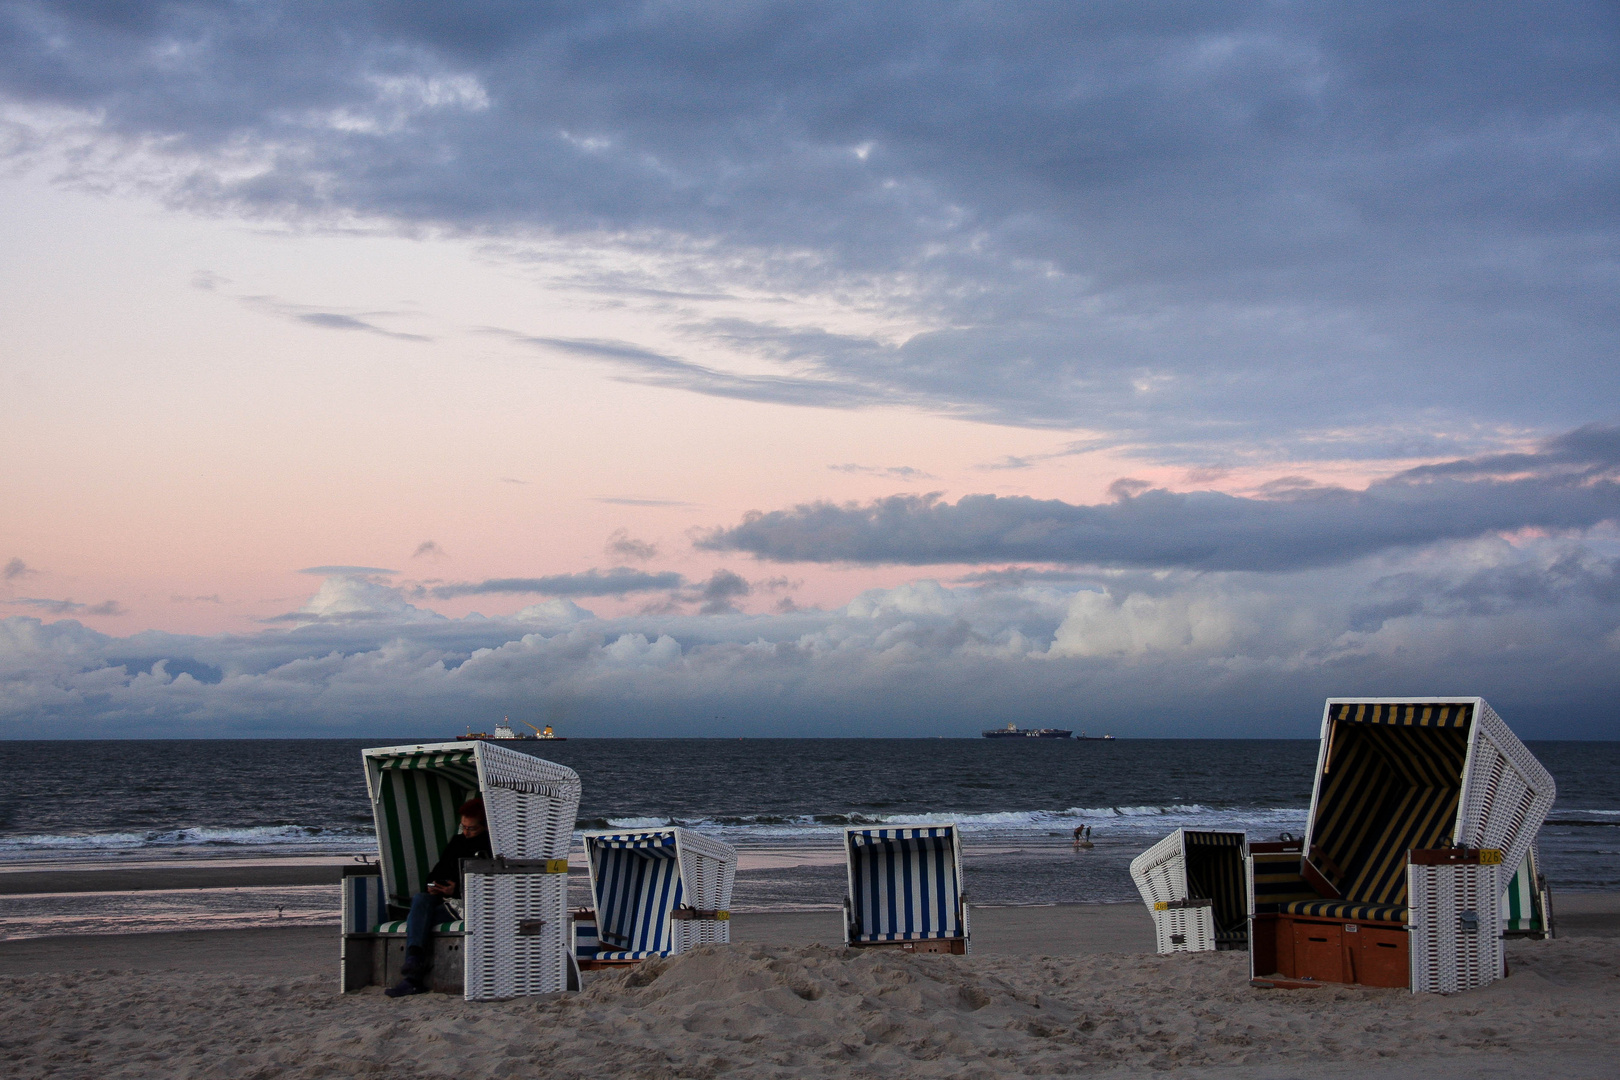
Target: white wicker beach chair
x=1419 y=805
x=905 y=889
x=1193 y=883
x=513 y=937
x=657 y=892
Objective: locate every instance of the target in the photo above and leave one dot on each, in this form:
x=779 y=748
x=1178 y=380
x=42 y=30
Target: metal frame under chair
x=657 y=892
x=905 y=889
x=1418 y=807
x=512 y=939
x=1193 y=883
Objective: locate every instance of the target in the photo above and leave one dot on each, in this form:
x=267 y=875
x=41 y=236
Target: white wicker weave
x=1456 y=927
x=1506 y=794
x=1160 y=872
x=517 y=935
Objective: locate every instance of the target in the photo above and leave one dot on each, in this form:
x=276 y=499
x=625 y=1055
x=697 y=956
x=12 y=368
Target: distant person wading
x=444 y=884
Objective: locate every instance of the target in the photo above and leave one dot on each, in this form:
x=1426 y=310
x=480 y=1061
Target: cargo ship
x=505 y=733
x=1013 y=731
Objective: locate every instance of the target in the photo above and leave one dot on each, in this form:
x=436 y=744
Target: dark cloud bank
x=1572 y=483
x=1207 y=230
x=1531 y=626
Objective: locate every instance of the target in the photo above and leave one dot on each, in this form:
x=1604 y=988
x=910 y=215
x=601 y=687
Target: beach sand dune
x=817 y=1011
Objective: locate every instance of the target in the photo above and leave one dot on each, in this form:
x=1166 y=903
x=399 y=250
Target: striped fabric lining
x=1277 y=881
x=1215 y=872
x=398 y=927
x=1347 y=909
x=638 y=885
x=1455 y=715
x=1393 y=781
x=907 y=884
x=419 y=797
x=364 y=903
x=1521 y=907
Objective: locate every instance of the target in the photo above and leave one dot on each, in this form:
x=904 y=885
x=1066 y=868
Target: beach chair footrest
x=941 y=946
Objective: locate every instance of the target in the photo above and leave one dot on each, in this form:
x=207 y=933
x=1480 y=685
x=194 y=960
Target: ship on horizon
x=504 y=732
x=1013 y=731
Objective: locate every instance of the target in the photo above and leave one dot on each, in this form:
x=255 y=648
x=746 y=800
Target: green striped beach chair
x=658 y=892
x=1419 y=807
x=1527 y=904
x=512 y=938
x=1194 y=884
x=905 y=889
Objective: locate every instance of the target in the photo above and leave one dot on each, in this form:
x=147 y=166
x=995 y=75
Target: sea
x=782 y=802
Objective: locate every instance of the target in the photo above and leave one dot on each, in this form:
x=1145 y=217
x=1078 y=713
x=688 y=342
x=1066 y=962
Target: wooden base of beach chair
x=940 y=946
x=379 y=960
x=1358 y=951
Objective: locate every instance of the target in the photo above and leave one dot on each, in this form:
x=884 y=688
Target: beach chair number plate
x=530 y=927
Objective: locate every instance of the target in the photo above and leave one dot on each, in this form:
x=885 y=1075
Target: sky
x=753 y=369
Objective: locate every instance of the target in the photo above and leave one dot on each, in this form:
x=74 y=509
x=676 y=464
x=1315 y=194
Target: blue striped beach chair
x=1419 y=807
x=512 y=938
x=905 y=889
x=1194 y=884
x=657 y=892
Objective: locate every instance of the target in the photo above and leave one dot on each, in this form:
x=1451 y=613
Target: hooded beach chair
x=1419 y=806
x=512 y=939
x=657 y=892
x=905 y=889
x=1194 y=885
x=1527 y=905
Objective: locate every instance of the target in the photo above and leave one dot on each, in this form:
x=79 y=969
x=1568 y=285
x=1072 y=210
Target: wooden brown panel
x=1319 y=952
x=1381 y=957
x=1263 y=945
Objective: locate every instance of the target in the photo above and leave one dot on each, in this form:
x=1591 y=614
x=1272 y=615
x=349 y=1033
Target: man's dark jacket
x=448 y=868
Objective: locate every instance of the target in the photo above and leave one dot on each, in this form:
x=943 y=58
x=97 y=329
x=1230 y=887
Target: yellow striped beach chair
x=1418 y=805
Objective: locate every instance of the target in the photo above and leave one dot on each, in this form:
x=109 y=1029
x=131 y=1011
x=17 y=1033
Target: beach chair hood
x=416 y=792
x=1396 y=775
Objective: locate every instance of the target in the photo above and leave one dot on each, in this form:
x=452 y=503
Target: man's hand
x=442 y=888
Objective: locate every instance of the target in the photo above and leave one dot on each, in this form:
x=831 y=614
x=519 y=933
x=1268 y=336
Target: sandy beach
x=1060 y=990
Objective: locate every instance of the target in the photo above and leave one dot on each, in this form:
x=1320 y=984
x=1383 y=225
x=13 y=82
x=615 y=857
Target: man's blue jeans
x=426 y=911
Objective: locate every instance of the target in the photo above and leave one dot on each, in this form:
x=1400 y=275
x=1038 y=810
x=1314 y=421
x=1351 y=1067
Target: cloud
x=650 y=368
x=621 y=544
x=888 y=472
x=1533 y=625
x=328 y=571
x=643 y=502
x=1571 y=483
x=326 y=320
x=1181 y=229
x=429 y=549
x=69 y=607
x=720 y=590
x=619 y=581
x=16 y=568
x=211 y=598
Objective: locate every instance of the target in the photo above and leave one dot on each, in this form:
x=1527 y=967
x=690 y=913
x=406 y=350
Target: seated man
x=444 y=881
